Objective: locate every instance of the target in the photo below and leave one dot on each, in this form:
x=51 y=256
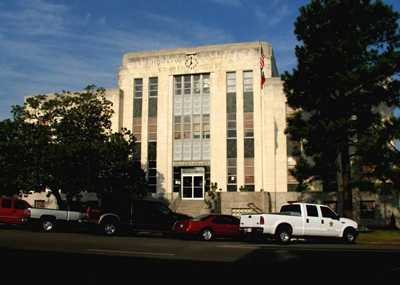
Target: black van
x=142 y=215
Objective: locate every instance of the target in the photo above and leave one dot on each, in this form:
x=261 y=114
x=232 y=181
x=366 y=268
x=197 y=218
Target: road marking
x=108 y=251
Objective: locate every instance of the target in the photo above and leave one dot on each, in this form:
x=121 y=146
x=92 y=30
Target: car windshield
x=201 y=217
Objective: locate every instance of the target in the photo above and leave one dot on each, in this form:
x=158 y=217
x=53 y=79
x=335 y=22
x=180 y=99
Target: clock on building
x=191 y=61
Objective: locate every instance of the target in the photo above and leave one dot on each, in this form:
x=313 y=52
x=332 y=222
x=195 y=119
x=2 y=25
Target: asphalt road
x=82 y=258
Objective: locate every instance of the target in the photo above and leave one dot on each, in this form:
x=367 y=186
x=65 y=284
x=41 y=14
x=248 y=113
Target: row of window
x=152 y=126
x=248 y=123
x=192 y=127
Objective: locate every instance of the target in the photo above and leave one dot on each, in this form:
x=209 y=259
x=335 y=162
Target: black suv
x=136 y=216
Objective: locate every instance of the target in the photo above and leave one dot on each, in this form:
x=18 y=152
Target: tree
x=77 y=145
x=348 y=59
x=23 y=159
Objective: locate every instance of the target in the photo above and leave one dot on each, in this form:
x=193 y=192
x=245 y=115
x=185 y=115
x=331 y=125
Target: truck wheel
x=283 y=234
x=349 y=235
x=47 y=224
x=109 y=227
x=206 y=235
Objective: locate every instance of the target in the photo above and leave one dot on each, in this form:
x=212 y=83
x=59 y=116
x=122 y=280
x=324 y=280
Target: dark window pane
x=152 y=180
x=152 y=107
x=152 y=151
x=231 y=148
x=294 y=209
x=312 y=211
x=232 y=188
x=137 y=108
x=328 y=213
x=249 y=188
x=248 y=102
x=19 y=204
x=152 y=172
x=231 y=103
x=248 y=148
x=138 y=149
x=152 y=188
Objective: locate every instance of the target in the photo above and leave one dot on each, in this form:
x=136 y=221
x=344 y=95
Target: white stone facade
x=269 y=110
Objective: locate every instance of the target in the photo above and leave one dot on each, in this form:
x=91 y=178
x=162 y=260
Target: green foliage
x=348 y=66
x=64 y=141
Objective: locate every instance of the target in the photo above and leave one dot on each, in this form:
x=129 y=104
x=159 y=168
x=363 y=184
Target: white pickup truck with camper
x=300 y=220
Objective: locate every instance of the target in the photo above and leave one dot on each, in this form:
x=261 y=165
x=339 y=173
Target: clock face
x=191 y=61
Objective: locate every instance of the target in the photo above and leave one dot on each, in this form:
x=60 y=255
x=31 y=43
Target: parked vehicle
x=207 y=227
x=48 y=219
x=136 y=216
x=13 y=211
x=300 y=220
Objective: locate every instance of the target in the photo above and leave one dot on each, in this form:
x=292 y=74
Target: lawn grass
x=380 y=236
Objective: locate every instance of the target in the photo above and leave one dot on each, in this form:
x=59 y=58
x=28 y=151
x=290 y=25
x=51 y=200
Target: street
x=68 y=256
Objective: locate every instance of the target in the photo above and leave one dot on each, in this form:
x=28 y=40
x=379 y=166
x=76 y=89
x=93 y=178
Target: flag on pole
x=262 y=63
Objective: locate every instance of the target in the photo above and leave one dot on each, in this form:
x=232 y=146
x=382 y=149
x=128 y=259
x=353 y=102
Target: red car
x=13 y=211
x=207 y=227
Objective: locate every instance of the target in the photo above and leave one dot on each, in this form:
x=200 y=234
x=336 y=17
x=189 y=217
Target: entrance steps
x=191 y=207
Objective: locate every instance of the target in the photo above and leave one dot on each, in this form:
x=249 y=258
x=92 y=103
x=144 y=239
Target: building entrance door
x=192 y=186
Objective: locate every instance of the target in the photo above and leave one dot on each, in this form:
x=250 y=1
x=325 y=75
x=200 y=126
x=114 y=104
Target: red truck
x=13 y=211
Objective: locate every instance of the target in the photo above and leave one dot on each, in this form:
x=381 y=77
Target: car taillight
x=261 y=220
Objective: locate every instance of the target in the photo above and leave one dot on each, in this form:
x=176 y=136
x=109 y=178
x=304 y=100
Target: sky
x=50 y=46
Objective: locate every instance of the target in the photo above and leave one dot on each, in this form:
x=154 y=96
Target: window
x=249 y=171
x=153 y=92
x=6 y=203
x=39 y=204
x=19 y=204
x=138 y=153
x=328 y=213
x=291 y=209
x=138 y=87
x=312 y=211
x=153 y=86
x=248 y=125
x=152 y=166
x=231 y=142
x=191 y=117
x=248 y=91
x=249 y=148
x=178 y=128
x=206 y=126
x=367 y=209
x=137 y=108
x=231 y=148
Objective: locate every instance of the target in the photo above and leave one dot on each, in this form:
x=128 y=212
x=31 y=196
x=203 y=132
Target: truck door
x=312 y=225
x=19 y=210
x=330 y=223
x=6 y=211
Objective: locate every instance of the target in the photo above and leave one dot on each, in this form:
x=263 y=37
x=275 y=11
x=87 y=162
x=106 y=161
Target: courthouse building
x=213 y=117
x=202 y=117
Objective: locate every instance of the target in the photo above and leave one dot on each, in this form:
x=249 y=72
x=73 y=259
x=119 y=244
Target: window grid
x=152 y=135
x=191 y=117
x=248 y=128
x=231 y=129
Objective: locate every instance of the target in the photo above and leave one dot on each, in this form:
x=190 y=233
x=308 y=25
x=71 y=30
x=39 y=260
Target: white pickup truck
x=47 y=219
x=300 y=220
